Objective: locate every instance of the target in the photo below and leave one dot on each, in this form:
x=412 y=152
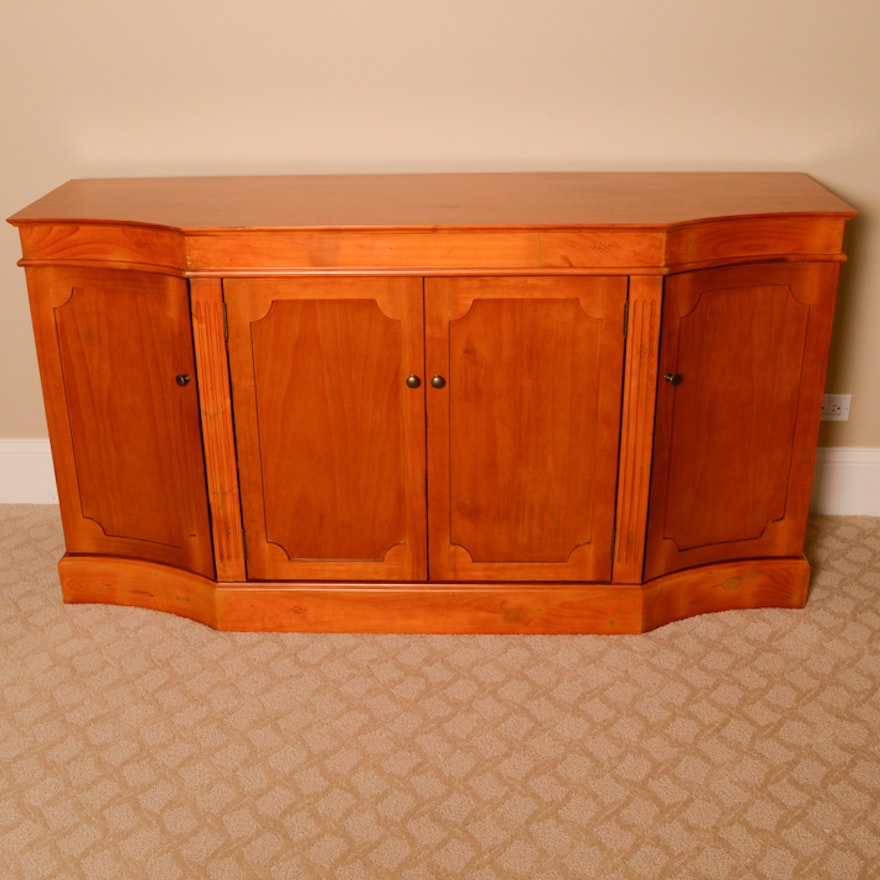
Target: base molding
x=467 y=608
x=846 y=481
x=26 y=472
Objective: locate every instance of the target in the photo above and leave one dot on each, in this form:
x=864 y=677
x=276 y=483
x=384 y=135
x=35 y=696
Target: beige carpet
x=737 y=745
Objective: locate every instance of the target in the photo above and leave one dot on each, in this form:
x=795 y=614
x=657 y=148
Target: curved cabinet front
x=117 y=364
x=742 y=367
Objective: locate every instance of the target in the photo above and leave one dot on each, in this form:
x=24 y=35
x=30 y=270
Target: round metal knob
x=413 y=381
x=673 y=378
x=183 y=379
x=438 y=382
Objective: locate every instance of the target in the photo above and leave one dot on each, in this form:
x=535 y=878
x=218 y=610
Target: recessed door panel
x=330 y=435
x=524 y=432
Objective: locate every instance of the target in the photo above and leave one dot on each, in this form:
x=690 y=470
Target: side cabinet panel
x=745 y=350
x=523 y=437
x=126 y=436
x=330 y=437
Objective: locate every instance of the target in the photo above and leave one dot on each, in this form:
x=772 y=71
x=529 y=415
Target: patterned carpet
x=736 y=745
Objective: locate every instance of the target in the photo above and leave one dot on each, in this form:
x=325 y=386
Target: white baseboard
x=26 y=474
x=846 y=482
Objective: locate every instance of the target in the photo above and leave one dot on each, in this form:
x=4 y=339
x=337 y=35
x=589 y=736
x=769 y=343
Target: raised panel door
x=330 y=437
x=524 y=430
x=742 y=365
x=118 y=372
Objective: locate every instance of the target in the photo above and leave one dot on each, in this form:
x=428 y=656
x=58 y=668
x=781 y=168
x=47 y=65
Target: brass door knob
x=438 y=382
x=413 y=381
x=183 y=379
x=673 y=378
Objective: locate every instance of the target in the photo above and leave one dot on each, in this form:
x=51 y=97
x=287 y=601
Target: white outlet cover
x=835 y=407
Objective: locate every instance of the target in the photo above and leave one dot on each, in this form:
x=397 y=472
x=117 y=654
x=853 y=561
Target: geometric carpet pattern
x=744 y=744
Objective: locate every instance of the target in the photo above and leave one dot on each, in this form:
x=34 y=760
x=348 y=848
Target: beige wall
x=102 y=88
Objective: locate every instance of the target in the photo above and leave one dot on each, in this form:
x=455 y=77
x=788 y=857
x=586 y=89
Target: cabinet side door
x=744 y=349
x=330 y=436
x=523 y=436
x=120 y=386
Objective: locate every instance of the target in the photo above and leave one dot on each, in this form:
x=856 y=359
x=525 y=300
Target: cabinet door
x=523 y=436
x=331 y=439
x=126 y=436
x=736 y=428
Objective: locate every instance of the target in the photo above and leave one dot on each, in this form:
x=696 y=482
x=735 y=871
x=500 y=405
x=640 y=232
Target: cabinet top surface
x=556 y=199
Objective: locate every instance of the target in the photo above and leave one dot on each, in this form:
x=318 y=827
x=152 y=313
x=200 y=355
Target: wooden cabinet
x=435 y=403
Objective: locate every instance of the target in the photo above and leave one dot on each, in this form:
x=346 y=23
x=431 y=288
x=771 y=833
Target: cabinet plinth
x=435 y=403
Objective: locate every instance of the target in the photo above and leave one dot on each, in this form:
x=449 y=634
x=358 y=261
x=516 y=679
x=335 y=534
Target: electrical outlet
x=835 y=407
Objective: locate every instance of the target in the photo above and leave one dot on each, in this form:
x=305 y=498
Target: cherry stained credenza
x=480 y=403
